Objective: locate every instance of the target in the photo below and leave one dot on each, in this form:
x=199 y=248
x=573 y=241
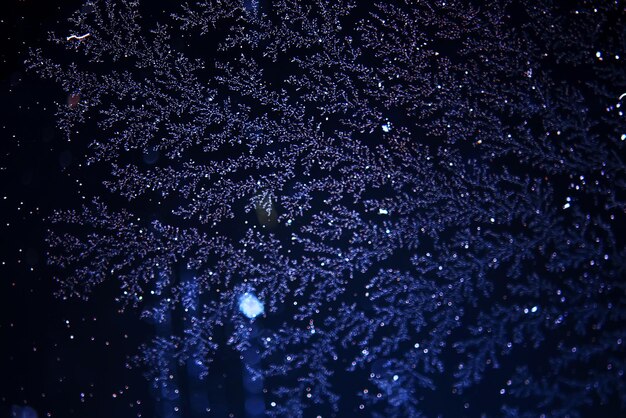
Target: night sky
x=311 y=217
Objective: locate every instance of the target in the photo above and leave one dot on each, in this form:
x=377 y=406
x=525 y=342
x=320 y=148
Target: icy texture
x=427 y=196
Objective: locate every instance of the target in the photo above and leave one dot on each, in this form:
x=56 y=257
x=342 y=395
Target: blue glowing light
x=250 y=305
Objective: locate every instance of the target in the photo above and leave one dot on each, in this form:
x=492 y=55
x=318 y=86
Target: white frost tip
x=250 y=305
x=80 y=38
x=383 y=212
x=386 y=127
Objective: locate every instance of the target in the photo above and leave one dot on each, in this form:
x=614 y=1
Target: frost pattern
x=427 y=196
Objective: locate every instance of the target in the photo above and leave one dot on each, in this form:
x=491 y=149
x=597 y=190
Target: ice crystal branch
x=413 y=192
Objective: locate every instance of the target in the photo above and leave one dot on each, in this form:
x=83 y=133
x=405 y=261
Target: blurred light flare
x=250 y=305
